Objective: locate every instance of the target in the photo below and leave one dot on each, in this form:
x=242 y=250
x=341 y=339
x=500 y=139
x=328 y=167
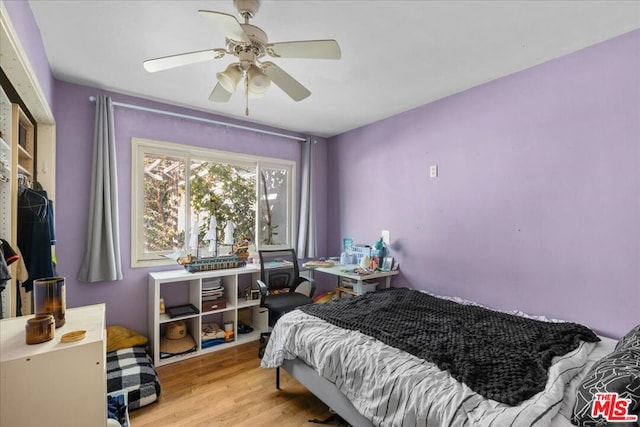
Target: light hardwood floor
x=228 y=388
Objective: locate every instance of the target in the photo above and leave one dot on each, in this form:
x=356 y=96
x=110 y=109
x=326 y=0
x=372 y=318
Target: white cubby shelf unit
x=179 y=287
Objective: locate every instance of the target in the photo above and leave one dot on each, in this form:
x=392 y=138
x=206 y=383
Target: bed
x=371 y=382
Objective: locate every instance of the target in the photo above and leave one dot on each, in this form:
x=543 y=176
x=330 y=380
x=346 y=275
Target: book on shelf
x=212 y=283
x=213 y=292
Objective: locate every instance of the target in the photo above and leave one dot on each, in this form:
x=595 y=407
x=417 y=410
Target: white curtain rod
x=200 y=119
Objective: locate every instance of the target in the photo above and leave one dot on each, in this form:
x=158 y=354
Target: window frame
x=141 y=146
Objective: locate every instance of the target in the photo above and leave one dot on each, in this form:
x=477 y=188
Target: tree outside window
x=227 y=192
x=273 y=197
x=180 y=191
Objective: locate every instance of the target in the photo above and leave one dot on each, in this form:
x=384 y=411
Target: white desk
x=341 y=270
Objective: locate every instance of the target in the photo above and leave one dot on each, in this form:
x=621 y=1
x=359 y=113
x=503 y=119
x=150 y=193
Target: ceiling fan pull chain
x=246 y=94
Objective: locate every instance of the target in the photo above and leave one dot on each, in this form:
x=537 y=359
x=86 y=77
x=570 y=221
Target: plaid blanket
x=131 y=370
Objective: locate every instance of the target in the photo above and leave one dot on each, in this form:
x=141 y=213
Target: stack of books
x=213 y=295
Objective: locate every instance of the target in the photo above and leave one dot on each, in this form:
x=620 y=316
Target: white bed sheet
x=394 y=388
x=603 y=348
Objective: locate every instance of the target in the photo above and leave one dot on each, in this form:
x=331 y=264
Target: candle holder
x=39 y=329
x=49 y=298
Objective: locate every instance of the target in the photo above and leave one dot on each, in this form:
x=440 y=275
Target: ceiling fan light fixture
x=259 y=82
x=253 y=95
x=230 y=78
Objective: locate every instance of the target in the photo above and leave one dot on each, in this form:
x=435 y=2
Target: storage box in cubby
x=359 y=287
x=364 y=287
x=216 y=304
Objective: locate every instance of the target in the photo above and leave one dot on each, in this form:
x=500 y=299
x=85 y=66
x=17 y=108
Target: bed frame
x=328 y=393
x=323 y=390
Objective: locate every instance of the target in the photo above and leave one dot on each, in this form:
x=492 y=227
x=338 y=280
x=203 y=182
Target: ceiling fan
x=249 y=44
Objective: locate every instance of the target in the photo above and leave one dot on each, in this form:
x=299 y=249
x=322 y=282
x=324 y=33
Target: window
x=200 y=201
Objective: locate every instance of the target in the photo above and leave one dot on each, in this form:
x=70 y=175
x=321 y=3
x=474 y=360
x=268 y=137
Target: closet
x=17 y=174
x=6 y=200
x=28 y=147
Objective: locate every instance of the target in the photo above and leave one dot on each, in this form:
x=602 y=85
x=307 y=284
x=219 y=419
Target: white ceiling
x=396 y=55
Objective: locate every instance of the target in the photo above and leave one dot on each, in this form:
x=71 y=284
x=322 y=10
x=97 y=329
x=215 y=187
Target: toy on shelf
x=193 y=264
x=241 y=248
x=228 y=331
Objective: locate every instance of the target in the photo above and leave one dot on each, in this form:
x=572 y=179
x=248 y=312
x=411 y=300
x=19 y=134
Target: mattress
x=393 y=388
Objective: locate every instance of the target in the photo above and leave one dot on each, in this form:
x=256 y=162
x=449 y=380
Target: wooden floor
x=228 y=388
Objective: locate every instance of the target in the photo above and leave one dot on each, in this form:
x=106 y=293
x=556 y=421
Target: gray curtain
x=307 y=244
x=102 y=255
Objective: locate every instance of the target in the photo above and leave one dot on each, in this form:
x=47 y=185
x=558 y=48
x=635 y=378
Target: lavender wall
x=537 y=203
x=126 y=300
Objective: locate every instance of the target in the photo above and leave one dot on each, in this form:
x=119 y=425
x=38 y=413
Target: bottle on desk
x=365 y=262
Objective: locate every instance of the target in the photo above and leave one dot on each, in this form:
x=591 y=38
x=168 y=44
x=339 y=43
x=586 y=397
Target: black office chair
x=279 y=279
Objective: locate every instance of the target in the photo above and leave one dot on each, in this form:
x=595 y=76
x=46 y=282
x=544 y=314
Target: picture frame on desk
x=387 y=263
x=347 y=244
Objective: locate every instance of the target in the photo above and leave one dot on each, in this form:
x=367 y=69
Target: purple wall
x=27 y=31
x=127 y=299
x=537 y=203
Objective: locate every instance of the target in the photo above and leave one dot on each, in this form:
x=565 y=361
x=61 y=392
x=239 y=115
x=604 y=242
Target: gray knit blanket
x=498 y=355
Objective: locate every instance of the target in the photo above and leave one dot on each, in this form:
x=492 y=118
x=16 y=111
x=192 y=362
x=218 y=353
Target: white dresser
x=54 y=383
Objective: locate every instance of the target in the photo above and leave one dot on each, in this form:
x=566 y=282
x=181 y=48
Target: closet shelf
x=23 y=153
x=23 y=170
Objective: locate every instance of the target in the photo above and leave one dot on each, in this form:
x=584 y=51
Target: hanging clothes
x=21 y=270
x=7 y=257
x=21 y=276
x=10 y=255
x=5 y=276
x=35 y=234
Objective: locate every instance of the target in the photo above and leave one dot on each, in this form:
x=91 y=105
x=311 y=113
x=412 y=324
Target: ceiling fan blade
x=227 y=23
x=318 y=49
x=219 y=94
x=288 y=84
x=173 y=61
